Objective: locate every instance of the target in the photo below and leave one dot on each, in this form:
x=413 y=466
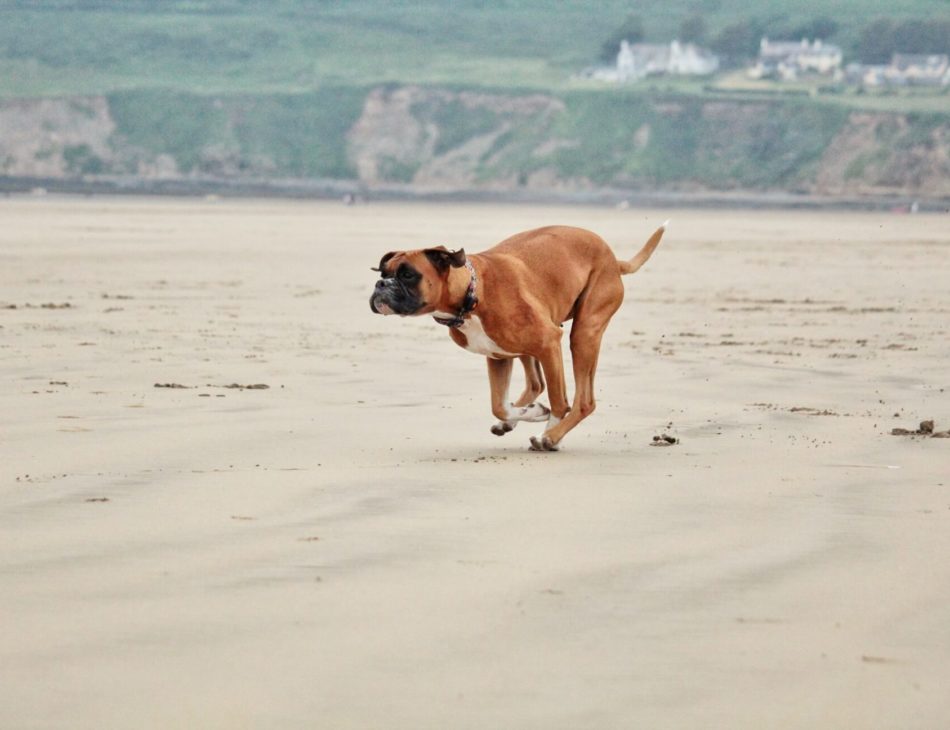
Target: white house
x=787 y=60
x=687 y=59
x=921 y=69
x=905 y=69
x=638 y=60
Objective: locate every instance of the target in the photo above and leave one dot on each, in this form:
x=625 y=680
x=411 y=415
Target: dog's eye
x=407 y=274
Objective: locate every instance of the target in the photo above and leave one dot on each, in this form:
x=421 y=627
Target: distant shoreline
x=361 y=194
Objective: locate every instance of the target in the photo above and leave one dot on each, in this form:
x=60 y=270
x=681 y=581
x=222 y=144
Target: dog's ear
x=382 y=262
x=441 y=258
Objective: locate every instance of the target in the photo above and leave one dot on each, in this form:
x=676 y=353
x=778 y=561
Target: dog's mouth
x=380 y=307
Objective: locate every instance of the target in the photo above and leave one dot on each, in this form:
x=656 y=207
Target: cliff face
x=887 y=153
x=54 y=137
x=435 y=137
x=448 y=139
x=462 y=140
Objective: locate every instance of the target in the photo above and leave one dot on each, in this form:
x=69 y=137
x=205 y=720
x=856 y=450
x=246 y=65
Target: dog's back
x=558 y=260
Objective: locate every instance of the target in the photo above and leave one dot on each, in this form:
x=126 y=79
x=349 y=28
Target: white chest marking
x=478 y=341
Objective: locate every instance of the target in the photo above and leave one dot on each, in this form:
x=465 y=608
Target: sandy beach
x=350 y=547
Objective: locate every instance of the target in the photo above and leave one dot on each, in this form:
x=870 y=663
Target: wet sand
x=351 y=548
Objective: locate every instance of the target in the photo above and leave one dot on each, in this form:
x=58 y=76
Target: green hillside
x=64 y=47
x=461 y=95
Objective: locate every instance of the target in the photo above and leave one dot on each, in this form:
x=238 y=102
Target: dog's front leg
x=507 y=413
x=499 y=378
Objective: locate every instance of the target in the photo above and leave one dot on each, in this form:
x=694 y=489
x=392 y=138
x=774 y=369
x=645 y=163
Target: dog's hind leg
x=593 y=315
x=552 y=363
x=585 y=348
x=507 y=413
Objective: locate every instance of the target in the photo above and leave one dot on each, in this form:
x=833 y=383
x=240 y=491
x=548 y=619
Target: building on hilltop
x=639 y=60
x=788 y=60
x=905 y=69
x=922 y=69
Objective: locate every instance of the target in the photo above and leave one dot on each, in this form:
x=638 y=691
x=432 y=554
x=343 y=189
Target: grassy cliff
x=286 y=135
x=454 y=139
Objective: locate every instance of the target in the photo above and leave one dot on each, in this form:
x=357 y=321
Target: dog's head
x=414 y=282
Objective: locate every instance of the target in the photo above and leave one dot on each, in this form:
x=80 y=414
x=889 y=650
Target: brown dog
x=510 y=301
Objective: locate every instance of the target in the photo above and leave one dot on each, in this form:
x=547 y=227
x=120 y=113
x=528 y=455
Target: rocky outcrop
x=887 y=153
x=436 y=137
x=55 y=137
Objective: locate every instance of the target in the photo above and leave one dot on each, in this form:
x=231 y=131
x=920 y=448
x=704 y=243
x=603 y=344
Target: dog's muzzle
x=391 y=297
x=376 y=299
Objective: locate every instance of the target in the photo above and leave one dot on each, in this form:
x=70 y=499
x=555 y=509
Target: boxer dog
x=510 y=302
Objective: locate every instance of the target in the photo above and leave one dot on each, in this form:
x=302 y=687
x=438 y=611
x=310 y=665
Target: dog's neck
x=467 y=302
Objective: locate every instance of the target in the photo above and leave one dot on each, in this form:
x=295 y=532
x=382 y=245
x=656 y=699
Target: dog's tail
x=628 y=267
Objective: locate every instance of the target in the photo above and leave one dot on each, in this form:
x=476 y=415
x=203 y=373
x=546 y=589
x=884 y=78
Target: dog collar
x=468 y=303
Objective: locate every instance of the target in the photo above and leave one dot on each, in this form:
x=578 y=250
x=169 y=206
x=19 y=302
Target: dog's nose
x=380 y=285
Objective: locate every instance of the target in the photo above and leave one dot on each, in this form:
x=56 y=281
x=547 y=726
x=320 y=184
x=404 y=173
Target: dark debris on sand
x=926 y=428
x=231 y=386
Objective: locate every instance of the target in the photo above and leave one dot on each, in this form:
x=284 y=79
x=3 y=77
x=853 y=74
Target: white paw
x=533 y=412
x=543 y=444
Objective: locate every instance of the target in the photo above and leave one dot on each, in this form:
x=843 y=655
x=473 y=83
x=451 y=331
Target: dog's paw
x=543 y=444
x=502 y=427
x=533 y=413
